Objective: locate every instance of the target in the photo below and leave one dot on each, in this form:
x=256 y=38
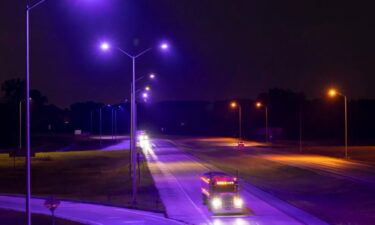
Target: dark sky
x=221 y=48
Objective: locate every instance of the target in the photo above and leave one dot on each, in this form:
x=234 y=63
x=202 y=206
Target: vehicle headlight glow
x=216 y=203
x=238 y=202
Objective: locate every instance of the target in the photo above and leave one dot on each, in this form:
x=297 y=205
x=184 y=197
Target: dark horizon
x=220 y=50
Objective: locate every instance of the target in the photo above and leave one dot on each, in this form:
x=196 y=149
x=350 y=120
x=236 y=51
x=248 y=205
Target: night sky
x=221 y=49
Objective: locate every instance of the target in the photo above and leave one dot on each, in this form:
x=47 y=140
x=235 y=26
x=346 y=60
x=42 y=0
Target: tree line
x=289 y=113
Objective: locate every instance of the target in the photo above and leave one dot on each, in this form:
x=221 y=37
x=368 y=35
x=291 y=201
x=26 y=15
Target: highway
x=177 y=177
x=327 y=187
x=325 y=165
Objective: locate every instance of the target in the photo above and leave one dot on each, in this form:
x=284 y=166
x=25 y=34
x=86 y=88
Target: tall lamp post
x=29 y=7
x=105 y=46
x=235 y=105
x=333 y=93
x=20 y=122
x=260 y=105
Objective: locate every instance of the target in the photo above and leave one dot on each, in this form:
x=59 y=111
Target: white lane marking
x=133 y=221
x=168 y=174
x=147 y=214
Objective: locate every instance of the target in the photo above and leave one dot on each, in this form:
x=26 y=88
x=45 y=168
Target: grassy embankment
x=92 y=176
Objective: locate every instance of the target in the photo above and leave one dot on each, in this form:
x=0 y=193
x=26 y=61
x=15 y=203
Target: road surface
x=177 y=177
x=325 y=165
x=89 y=213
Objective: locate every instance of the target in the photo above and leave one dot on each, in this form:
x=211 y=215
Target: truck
x=220 y=192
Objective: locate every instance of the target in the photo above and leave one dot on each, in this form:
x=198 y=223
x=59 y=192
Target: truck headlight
x=238 y=202
x=216 y=203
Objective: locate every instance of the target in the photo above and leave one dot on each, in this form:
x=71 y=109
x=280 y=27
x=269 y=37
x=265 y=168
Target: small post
x=52 y=204
x=100 y=125
x=53 y=217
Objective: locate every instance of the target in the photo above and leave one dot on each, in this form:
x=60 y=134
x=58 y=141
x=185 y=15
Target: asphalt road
x=177 y=177
x=334 y=189
x=325 y=165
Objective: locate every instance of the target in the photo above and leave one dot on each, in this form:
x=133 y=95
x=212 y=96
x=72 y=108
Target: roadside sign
x=51 y=203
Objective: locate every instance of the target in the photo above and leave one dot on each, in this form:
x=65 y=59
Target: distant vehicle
x=241 y=144
x=220 y=192
x=142 y=138
x=142 y=135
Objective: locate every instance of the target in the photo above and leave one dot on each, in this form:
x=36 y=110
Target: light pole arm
x=124 y=52
x=139 y=78
x=143 y=52
x=35 y=5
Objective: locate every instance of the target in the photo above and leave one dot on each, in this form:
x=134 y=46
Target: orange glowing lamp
x=332 y=92
x=233 y=104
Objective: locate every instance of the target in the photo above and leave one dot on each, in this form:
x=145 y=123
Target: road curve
x=89 y=213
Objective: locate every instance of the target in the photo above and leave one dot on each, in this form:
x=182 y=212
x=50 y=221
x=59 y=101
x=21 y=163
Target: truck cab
x=220 y=192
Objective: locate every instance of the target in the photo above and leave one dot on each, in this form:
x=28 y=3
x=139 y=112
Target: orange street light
x=260 y=105
x=333 y=93
x=234 y=105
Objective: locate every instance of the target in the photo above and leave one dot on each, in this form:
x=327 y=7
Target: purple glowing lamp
x=164 y=46
x=104 y=46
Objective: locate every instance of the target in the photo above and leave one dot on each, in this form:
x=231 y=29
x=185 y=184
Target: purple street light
x=133 y=115
x=164 y=46
x=104 y=46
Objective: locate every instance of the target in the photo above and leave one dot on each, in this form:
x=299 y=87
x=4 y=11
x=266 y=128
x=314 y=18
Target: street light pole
x=133 y=126
x=112 y=123
x=346 y=126
x=115 y=125
x=20 y=124
x=29 y=7
x=266 y=108
x=300 y=130
x=133 y=115
x=100 y=125
x=91 y=128
x=133 y=141
x=27 y=158
x=240 y=122
x=260 y=105
x=333 y=93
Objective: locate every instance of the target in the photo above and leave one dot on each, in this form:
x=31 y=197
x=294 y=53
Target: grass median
x=90 y=176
